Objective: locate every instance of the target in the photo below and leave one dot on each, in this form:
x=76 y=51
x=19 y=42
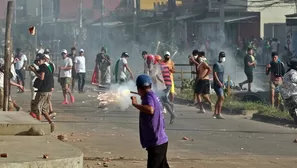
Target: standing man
x=171 y=67
x=80 y=67
x=202 y=88
x=65 y=72
x=191 y=62
x=121 y=69
x=151 y=124
x=103 y=64
x=249 y=65
x=20 y=61
x=276 y=69
x=72 y=55
x=218 y=76
x=44 y=84
x=144 y=55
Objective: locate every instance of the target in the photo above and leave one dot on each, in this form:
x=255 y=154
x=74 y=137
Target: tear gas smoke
x=119 y=95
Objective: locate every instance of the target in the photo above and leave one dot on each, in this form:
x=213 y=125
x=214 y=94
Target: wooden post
x=7 y=55
x=228 y=87
x=182 y=78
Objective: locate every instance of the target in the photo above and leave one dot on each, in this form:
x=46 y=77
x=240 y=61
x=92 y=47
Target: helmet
x=46 y=51
x=222 y=54
x=158 y=57
x=150 y=57
x=143 y=80
x=125 y=54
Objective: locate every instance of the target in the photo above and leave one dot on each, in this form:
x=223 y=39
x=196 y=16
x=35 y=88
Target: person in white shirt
x=274 y=45
x=80 y=68
x=65 y=74
x=20 y=61
x=121 y=69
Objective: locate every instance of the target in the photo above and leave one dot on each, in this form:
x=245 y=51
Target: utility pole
x=15 y=11
x=172 y=8
x=7 y=55
x=41 y=13
x=101 y=19
x=81 y=14
x=136 y=10
x=222 y=20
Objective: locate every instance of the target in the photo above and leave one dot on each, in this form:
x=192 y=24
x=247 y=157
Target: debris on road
x=295 y=141
x=99 y=164
x=241 y=148
x=3 y=155
x=105 y=164
x=62 y=138
x=45 y=156
x=185 y=138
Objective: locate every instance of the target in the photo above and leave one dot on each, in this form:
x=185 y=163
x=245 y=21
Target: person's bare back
x=203 y=71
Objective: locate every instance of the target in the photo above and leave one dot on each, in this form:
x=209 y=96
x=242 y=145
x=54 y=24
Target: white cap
x=167 y=53
x=64 y=51
x=81 y=50
x=47 y=56
x=40 y=51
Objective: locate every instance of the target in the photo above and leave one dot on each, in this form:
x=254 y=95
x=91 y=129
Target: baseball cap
x=81 y=50
x=40 y=57
x=64 y=51
x=167 y=53
x=125 y=54
x=143 y=80
x=47 y=56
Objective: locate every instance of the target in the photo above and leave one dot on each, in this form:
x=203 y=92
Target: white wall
x=273 y=14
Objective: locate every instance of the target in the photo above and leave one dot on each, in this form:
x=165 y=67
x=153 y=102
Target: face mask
x=223 y=59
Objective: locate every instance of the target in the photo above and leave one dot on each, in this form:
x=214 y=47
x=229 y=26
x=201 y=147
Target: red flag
x=95 y=76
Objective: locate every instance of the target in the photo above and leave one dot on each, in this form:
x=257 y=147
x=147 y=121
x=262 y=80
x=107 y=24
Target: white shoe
x=164 y=111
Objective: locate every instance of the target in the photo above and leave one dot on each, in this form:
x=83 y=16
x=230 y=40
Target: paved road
x=234 y=142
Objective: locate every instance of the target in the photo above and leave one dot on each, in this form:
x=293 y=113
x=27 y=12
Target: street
x=112 y=136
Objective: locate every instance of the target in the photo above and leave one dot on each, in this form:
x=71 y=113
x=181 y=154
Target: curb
x=271 y=120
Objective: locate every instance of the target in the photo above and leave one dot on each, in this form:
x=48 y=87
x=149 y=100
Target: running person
x=249 y=65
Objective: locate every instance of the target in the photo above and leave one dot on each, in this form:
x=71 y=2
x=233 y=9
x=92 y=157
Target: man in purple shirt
x=151 y=124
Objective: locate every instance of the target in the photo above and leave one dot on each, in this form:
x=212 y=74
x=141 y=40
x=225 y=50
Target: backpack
x=277 y=68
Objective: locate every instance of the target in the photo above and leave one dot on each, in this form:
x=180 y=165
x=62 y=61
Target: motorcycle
x=291 y=105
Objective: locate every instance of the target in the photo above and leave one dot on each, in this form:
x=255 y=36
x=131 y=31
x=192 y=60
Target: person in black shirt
x=44 y=83
x=249 y=65
x=72 y=55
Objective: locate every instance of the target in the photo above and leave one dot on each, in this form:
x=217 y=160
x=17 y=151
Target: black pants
x=81 y=81
x=157 y=156
x=20 y=76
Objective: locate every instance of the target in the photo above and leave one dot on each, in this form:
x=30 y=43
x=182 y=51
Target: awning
x=226 y=19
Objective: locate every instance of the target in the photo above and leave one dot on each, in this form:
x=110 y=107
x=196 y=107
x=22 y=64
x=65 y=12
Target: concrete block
x=19 y=123
x=28 y=151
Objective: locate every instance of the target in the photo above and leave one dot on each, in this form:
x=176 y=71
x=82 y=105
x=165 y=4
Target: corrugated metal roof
x=226 y=20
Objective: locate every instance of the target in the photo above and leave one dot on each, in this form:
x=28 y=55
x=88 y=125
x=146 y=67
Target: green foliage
x=188 y=83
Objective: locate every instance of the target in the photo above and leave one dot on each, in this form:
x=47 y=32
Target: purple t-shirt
x=152 y=127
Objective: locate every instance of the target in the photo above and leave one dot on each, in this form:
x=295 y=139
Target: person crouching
x=151 y=124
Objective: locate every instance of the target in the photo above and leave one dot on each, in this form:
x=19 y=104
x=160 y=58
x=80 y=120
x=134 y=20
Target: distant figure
x=249 y=64
x=72 y=55
x=20 y=61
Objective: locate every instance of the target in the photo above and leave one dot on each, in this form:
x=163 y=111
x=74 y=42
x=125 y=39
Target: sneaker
x=18 y=108
x=164 y=111
x=33 y=115
x=214 y=116
x=219 y=116
x=52 y=127
x=65 y=102
x=202 y=110
x=52 y=115
x=72 y=99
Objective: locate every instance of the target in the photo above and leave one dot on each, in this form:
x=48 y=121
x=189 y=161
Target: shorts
x=203 y=86
x=249 y=76
x=219 y=91
x=41 y=103
x=65 y=81
x=274 y=84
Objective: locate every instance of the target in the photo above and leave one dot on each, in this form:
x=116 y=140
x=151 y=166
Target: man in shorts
x=72 y=55
x=203 y=83
x=249 y=65
x=218 y=86
x=65 y=74
x=44 y=83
